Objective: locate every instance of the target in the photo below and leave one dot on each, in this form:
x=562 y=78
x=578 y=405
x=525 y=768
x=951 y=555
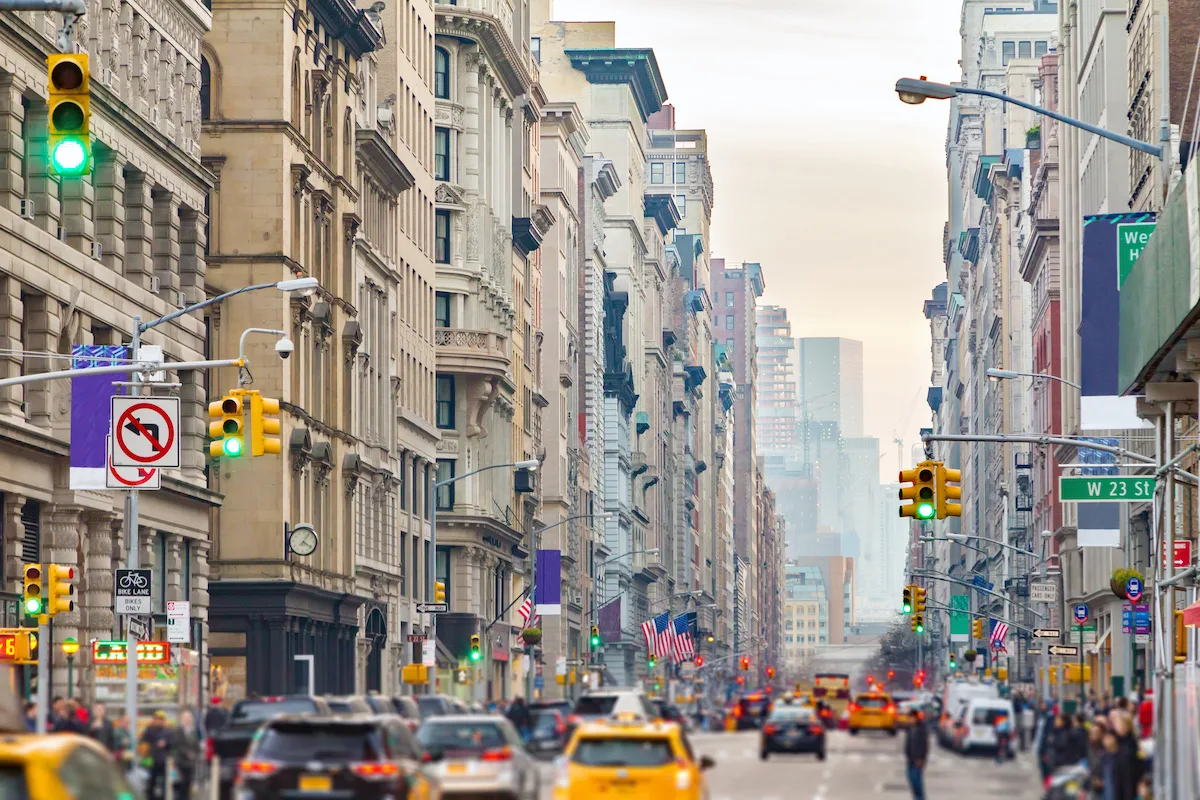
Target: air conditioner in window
x=155 y=285
x=181 y=299
x=97 y=250
x=62 y=233
x=26 y=209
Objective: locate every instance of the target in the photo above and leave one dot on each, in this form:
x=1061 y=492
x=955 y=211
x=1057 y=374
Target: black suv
x=364 y=757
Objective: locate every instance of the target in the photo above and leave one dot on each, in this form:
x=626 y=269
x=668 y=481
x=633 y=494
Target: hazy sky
x=821 y=174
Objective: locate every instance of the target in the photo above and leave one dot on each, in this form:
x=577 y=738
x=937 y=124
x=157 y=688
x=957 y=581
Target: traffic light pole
x=43 y=673
x=71 y=10
x=131 y=562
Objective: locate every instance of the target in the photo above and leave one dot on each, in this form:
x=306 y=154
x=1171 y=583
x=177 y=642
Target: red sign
x=1183 y=553
x=8 y=646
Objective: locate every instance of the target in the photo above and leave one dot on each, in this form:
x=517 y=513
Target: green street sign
x=1132 y=238
x=1109 y=489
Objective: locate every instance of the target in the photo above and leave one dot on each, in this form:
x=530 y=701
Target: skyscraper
x=831 y=383
x=776 y=407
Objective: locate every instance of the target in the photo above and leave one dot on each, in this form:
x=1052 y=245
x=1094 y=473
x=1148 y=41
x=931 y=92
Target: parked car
x=229 y=744
x=548 y=733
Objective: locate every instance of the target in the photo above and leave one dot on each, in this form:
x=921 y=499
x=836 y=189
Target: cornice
x=348 y=24
x=637 y=68
x=382 y=161
x=487 y=31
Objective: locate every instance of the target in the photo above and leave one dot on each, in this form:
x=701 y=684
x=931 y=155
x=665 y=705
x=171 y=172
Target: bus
x=832 y=689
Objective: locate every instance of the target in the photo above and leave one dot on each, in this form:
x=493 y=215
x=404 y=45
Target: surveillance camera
x=284 y=348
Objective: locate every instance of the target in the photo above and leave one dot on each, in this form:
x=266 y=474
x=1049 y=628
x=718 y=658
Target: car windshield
x=545 y=720
x=595 y=705
x=872 y=701
x=12 y=783
x=623 y=752
x=288 y=742
x=791 y=714
x=431 y=706
x=251 y=711
x=461 y=736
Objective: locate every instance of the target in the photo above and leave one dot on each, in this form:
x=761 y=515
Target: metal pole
x=1082 y=684
x=1167 y=666
x=43 y=667
x=533 y=535
x=1005 y=563
x=71 y=677
x=431 y=579
x=131 y=535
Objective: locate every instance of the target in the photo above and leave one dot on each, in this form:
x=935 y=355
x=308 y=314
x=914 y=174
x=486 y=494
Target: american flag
x=685 y=649
x=999 y=634
x=525 y=611
x=659 y=634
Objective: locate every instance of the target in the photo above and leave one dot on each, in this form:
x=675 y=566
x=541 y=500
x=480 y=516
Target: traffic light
x=227 y=429
x=264 y=425
x=919 y=679
x=26 y=644
x=919 y=598
x=651 y=661
x=35 y=593
x=70 y=114
x=595 y=636
x=923 y=491
x=977 y=628
x=906 y=603
x=476 y=649
x=60 y=589
x=870 y=680
x=745 y=664
x=699 y=661
x=771 y=673
x=918 y=622
x=439 y=592
x=953 y=661
x=946 y=492
x=891 y=674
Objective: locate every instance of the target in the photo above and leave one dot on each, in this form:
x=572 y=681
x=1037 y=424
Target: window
x=445 y=494
x=441 y=568
x=445 y=402
x=1040 y=49
x=729 y=299
x=729 y=343
x=31 y=521
x=441 y=246
x=535 y=49
x=680 y=172
x=656 y=172
x=681 y=204
x=441 y=154
x=1025 y=50
x=159 y=602
x=205 y=90
x=729 y=322
x=1007 y=50
x=441 y=309
x=441 y=74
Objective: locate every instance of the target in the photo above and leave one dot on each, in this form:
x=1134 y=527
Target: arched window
x=441 y=74
x=348 y=148
x=296 y=90
x=205 y=90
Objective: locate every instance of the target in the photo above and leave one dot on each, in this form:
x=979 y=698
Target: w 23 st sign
x=1118 y=489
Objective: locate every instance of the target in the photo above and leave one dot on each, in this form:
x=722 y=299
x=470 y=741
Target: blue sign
x=1133 y=588
x=1081 y=613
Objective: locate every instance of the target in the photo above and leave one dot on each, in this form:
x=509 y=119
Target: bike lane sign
x=133 y=591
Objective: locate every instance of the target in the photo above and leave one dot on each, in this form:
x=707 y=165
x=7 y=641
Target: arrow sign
x=1133 y=589
x=1063 y=650
x=144 y=432
x=1047 y=633
x=432 y=608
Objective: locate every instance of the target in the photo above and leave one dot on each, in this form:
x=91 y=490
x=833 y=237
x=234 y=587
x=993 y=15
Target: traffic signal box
x=70 y=114
x=906 y=604
x=439 y=592
x=476 y=649
x=651 y=661
x=265 y=427
x=948 y=489
x=227 y=429
x=595 y=640
x=61 y=589
x=33 y=600
x=19 y=645
x=745 y=663
x=922 y=493
x=919 y=598
x=977 y=628
x=1181 y=642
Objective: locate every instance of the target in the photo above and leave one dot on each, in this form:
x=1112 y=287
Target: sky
x=822 y=175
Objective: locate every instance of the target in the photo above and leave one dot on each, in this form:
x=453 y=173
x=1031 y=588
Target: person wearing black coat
x=916 y=755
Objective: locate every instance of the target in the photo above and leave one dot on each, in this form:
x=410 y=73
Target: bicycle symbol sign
x=133 y=591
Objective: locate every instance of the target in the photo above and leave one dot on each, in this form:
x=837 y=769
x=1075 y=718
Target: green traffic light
x=920 y=629
x=69 y=157
x=232 y=447
x=925 y=511
x=33 y=606
x=907 y=608
x=475 y=655
x=595 y=641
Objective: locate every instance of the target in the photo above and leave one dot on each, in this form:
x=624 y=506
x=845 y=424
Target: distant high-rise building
x=831 y=383
x=776 y=409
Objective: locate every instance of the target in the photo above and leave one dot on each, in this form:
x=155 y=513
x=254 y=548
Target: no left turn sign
x=130 y=477
x=145 y=432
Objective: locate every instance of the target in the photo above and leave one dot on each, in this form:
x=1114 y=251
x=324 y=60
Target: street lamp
x=916 y=91
x=1009 y=374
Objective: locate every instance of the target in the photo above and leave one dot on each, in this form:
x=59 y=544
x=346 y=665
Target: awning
x=1100 y=642
x=1191 y=615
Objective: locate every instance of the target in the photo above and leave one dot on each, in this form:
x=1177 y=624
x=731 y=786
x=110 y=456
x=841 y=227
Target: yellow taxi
x=906 y=713
x=872 y=711
x=62 y=766
x=630 y=758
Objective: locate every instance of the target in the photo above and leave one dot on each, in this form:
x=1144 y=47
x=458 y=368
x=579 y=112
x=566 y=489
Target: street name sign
x=145 y=432
x=1043 y=593
x=133 y=591
x=1106 y=489
x=432 y=608
x=1047 y=633
x=1063 y=650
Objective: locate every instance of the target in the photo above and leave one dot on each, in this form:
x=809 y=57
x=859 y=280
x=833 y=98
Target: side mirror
x=706 y=763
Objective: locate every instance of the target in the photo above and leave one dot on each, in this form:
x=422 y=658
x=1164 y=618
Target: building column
x=174 y=568
x=139 y=228
x=108 y=178
x=42 y=331
x=12 y=312
x=14 y=535
x=77 y=202
x=165 y=217
x=41 y=185
x=193 y=425
x=96 y=595
x=60 y=545
x=192 y=242
x=12 y=145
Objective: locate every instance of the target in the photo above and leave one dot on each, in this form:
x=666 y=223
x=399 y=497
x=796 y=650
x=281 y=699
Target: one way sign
x=1063 y=650
x=1047 y=633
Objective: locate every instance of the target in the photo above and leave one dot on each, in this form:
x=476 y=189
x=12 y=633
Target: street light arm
x=456 y=478
x=1002 y=374
x=956 y=538
x=154 y=323
x=968 y=612
x=933 y=576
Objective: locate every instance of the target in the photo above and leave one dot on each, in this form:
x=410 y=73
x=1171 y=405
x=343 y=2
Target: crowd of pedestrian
x=166 y=751
x=1104 y=738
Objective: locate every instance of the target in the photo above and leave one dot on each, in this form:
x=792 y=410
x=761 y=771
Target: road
x=864 y=766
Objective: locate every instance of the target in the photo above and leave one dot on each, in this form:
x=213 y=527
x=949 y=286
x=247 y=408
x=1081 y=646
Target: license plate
x=456 y=769
x=315 y=783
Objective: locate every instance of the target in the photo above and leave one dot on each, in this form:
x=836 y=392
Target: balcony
x=472 y=352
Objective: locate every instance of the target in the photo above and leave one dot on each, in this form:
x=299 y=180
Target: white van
x=975 y=724
x=958 y=693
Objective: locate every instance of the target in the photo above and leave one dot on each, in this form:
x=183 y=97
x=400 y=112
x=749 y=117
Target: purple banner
x=91 y=399
x=609 y=621
x=547 y=593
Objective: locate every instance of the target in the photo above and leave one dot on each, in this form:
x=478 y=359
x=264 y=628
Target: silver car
x=472 y=755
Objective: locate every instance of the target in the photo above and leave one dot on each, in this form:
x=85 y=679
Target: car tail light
x=257 y=768
x=853 y=707
x=375 y=770
x=426 y=758
x=891 y=709
x=210 y=749
x=817 y=729
x=574 y=719
x=683 y=776
x=737 y=711
x=560 y=727
x=769 y=729
x=499 y=754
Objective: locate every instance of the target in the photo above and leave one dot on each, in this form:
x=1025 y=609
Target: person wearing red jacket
x=1146 y=715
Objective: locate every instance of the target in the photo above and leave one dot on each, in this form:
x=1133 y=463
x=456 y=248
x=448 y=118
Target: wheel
x=891 y=731
x=820 y=755
x=763 y=755
x=854 y=731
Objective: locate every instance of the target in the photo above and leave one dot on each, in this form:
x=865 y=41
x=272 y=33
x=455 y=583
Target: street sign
x=1132 y=238
x=432 y=608
x=417 y=637
x=1081 y=613
x=144 y=432
x=147 y=478
x=1141 y=638
x=139 y=630
x=1183 y=553
x=1033 y=651
x=1135 y=618
x=133 y=591
x=1047 y=633
x=1133 y=589
x=1106 y=489
x=1063 y=650
x=179 y=622
x=1043 y=593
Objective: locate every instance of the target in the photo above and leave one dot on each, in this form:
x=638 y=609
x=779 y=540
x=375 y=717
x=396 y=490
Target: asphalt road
x=863 y=766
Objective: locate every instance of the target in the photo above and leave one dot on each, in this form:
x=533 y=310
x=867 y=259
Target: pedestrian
x=916 y=754
x=1003 y=726
x=1120 y=778
x=1026 y=721
x=100 y=727
x=1146 y=715
x=155 y=748
x=122 y=744
x=185 y=750
x=31 y=717
x=1095 y=758
x=69 y=719
x=518 y=715
x=216 y=717
x=56 y=720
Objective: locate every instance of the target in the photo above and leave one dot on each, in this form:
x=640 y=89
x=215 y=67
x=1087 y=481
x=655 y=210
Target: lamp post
x=431 y=560
x=70 y=647
x=1008 y=374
